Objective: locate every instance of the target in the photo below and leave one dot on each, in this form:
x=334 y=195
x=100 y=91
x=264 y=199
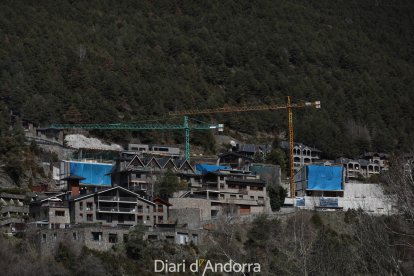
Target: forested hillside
x=130 y=60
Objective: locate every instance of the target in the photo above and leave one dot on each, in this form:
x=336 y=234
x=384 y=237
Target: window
x=81 y=206
x=125 y=237
x=55 y=236
x=96 y=236
x=140 y=218
x=232 y=196
x=43 y=237
x=139 y=209
x=160 y=219
x=89 y=206
x=160 y=208
x=113 y=238
x=89 y=217
x=195 y=239
x=75 y=236
x=81 y=215
x=148 y=218
x=59 y=213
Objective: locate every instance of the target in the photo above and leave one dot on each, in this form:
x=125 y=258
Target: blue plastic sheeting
x=300 y=202
x=206 y=168
x=324 y=178
x=95 y=173
x=328 y=202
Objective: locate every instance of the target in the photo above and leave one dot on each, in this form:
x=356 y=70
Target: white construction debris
x=79 y=141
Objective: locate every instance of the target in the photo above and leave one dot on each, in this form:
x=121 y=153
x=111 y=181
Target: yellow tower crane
x=289 y=106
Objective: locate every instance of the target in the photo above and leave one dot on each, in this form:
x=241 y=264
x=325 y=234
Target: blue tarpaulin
x=324 y=178
x=328 y=202
x=206 y=168
x=95 y=173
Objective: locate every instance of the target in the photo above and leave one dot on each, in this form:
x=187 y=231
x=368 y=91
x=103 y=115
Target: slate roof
x=251 y=148
x=235 y=154
x=112 y=188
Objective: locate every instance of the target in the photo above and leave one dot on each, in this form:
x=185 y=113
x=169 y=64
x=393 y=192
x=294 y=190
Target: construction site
x=179 y=196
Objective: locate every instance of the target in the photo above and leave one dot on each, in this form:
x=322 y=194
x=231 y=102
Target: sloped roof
x=232 y=153
x=179 y=164
x=136 y=158
x=160 y=200
x=109 y=189
x=148 y=160
x=164 y=161
x=247 y=148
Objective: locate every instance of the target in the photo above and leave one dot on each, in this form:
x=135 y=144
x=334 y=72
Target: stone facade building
x=115 y=206
x=52 y=212
x=140 y=174
x=12 y=210
x=223 y=191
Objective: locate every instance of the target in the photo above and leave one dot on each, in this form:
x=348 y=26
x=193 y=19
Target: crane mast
x=289 y=106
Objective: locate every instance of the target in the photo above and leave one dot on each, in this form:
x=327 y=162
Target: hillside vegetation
x=132 y=60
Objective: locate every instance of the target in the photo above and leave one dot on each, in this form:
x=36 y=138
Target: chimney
x=73 y=184
x=74 y=187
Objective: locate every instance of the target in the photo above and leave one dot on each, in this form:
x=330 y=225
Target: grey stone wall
x=93 y=237
x=189 y=216
x=203 y=205
x=104 y=238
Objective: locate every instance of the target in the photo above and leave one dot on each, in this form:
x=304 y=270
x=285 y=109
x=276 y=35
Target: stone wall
x=104 y=238
x=203 y=205
x=189 y=216
x=93 y=237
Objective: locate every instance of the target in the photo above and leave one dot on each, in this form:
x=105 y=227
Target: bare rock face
x=5 y=180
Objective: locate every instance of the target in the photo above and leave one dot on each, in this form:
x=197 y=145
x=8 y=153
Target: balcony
x=117 y=199
x=14 y=209
x=116 y=210
x=137 y=188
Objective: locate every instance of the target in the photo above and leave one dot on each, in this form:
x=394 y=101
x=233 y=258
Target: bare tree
x=399 y=184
